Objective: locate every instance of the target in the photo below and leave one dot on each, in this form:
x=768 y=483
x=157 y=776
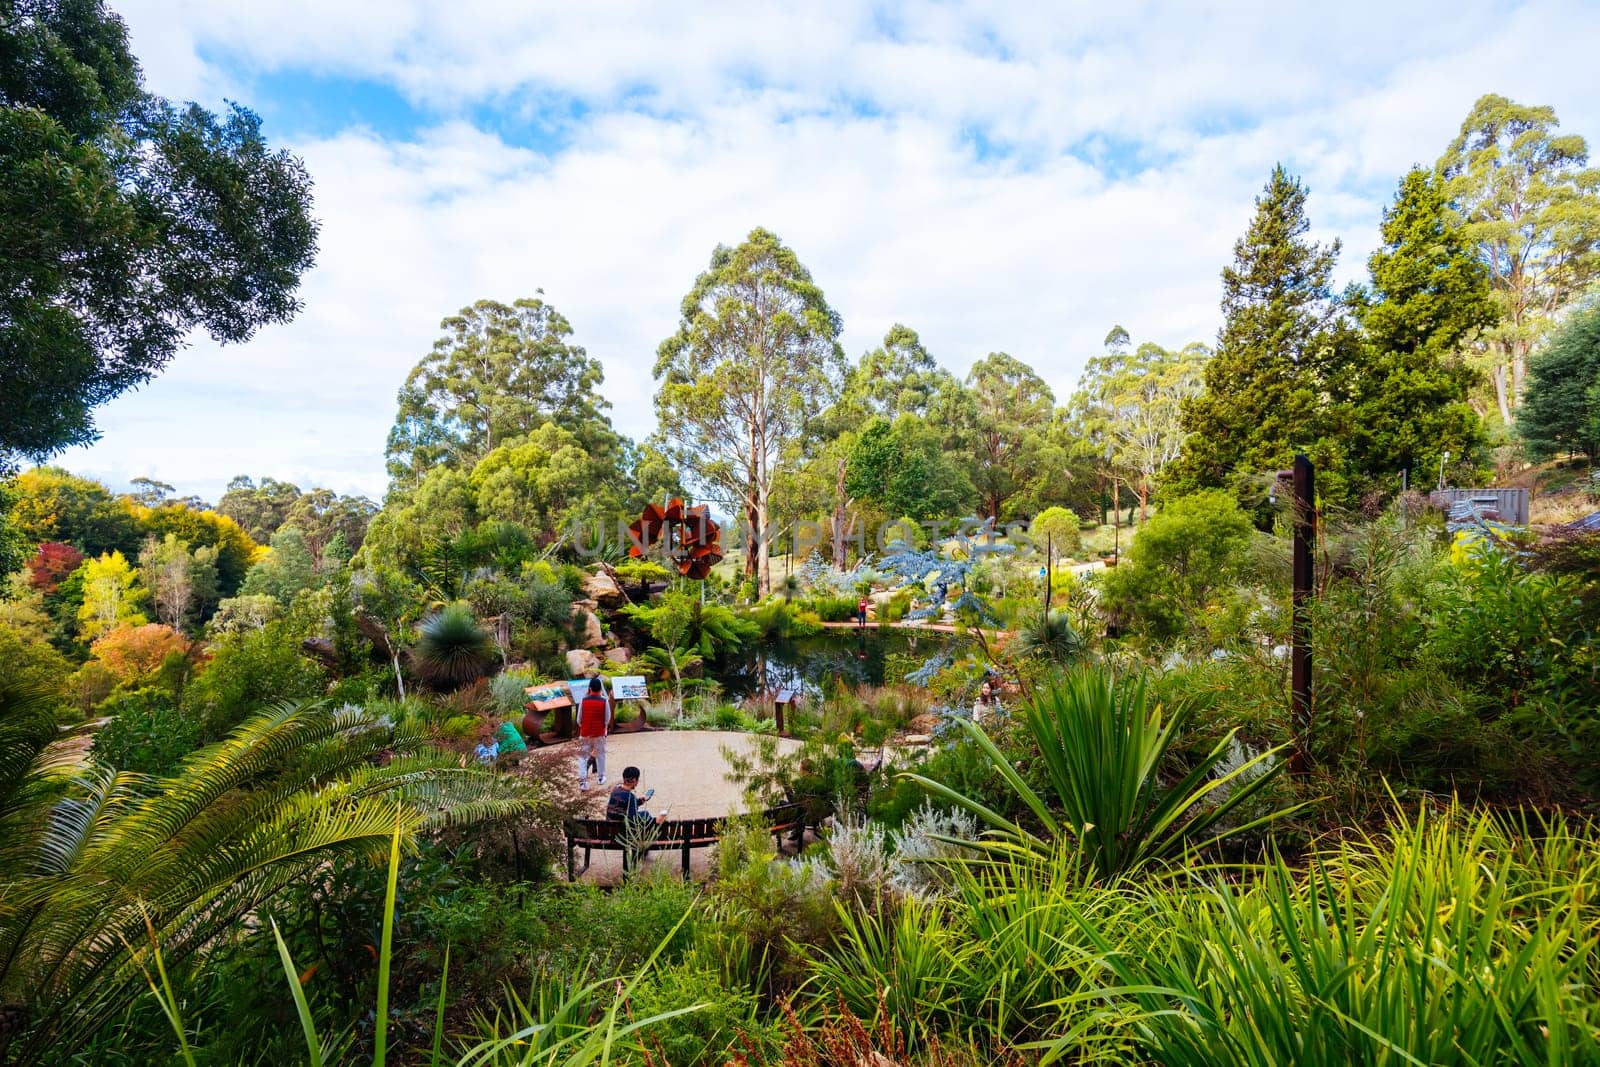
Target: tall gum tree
x=755 y=357
x=498 y=373
x=1135 y=400
x=1010 y=409
x=1531 y=205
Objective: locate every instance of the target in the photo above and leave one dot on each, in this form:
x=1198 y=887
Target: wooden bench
x=685 y=835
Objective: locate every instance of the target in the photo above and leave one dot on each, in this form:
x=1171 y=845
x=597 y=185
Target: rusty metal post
x=1305 y=528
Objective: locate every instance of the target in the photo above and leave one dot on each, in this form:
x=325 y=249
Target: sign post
x=1305 y=530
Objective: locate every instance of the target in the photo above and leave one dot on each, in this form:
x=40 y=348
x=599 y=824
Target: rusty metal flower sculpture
x=687 y=535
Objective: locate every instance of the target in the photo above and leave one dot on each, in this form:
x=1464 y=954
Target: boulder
x=581 y=663
x=618 y=655
x=924 y=723
x=604 y=590
x=593 y=635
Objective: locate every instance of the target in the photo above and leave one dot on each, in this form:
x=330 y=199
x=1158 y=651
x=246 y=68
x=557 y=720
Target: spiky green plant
x=1103 y=747
x=1052 y=638
x=1463 y=939
x=85 y=858
x=452 y=649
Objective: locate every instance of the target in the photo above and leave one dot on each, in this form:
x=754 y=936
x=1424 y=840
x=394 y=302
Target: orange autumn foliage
x=132 y=652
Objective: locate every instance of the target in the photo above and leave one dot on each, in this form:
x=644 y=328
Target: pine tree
x=1282 y=328
x=1429 y=295
x=1561 y=413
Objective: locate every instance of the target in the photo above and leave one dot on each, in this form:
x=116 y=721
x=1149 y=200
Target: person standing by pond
x=594 y=719
x=861 y=612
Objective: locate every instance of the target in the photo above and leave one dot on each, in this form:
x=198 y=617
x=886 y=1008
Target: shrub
x=1369 y=956
x=721 y=1030
x=1058 y=529
x=147 y=733
x=834 y=608
x=1186 y=555
x=132 y=653
x=923 y=854
x=249 y=670
x=1051 y=638
x=1102 y=745
x=508 y=688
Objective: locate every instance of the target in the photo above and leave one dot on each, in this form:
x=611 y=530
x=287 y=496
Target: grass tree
x=452 y=649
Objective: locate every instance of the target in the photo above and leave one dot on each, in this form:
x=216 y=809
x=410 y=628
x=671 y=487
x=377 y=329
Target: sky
x=1008 y=177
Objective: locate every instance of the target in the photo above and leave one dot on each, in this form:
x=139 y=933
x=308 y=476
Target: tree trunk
x=1144 y=494
x=1116 y=502
x=399 y=678
x=1519 y=374
x=839 y=504
x=1498 y=375
x=677 y=679
x=764 y=565
x=754 y=533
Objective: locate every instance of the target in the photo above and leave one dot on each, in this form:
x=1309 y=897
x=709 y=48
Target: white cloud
x=1126 y=148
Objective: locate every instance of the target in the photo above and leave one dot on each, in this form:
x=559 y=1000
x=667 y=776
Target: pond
x=855 y=657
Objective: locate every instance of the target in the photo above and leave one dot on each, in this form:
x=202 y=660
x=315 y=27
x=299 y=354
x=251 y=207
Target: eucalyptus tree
x=1136 y=401
x=127 y=223
x=1007 y=408
x=497 y=374
x=756 y=356
x=1531 y=205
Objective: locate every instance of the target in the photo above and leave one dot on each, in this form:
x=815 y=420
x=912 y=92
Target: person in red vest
x=594 y=719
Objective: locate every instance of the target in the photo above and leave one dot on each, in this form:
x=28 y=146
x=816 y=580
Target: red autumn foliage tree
x=51 y=565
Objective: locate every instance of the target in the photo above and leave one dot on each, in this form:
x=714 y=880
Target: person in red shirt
x=594 y=719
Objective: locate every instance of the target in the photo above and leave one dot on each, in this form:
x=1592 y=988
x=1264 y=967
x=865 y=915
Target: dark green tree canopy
x=126 y=223
x=1281 y=331
x=497 y=374
x=1006 y=410
x=1428 y=297
x=901 y=468
x=1562 y=410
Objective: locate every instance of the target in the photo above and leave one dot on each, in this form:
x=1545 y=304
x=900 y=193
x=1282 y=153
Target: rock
x=593 y=635
x=320 y=648
x=581 y=663
x=924 y=724
x=915 y=739
x=618 y=655
x=604 y=590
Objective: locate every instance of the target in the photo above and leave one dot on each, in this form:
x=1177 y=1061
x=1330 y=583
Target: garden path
x=687 y=770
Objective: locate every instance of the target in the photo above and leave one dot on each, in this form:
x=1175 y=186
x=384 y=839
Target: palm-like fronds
x=201 y=849
x=452 y=649
x=1102 y=747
